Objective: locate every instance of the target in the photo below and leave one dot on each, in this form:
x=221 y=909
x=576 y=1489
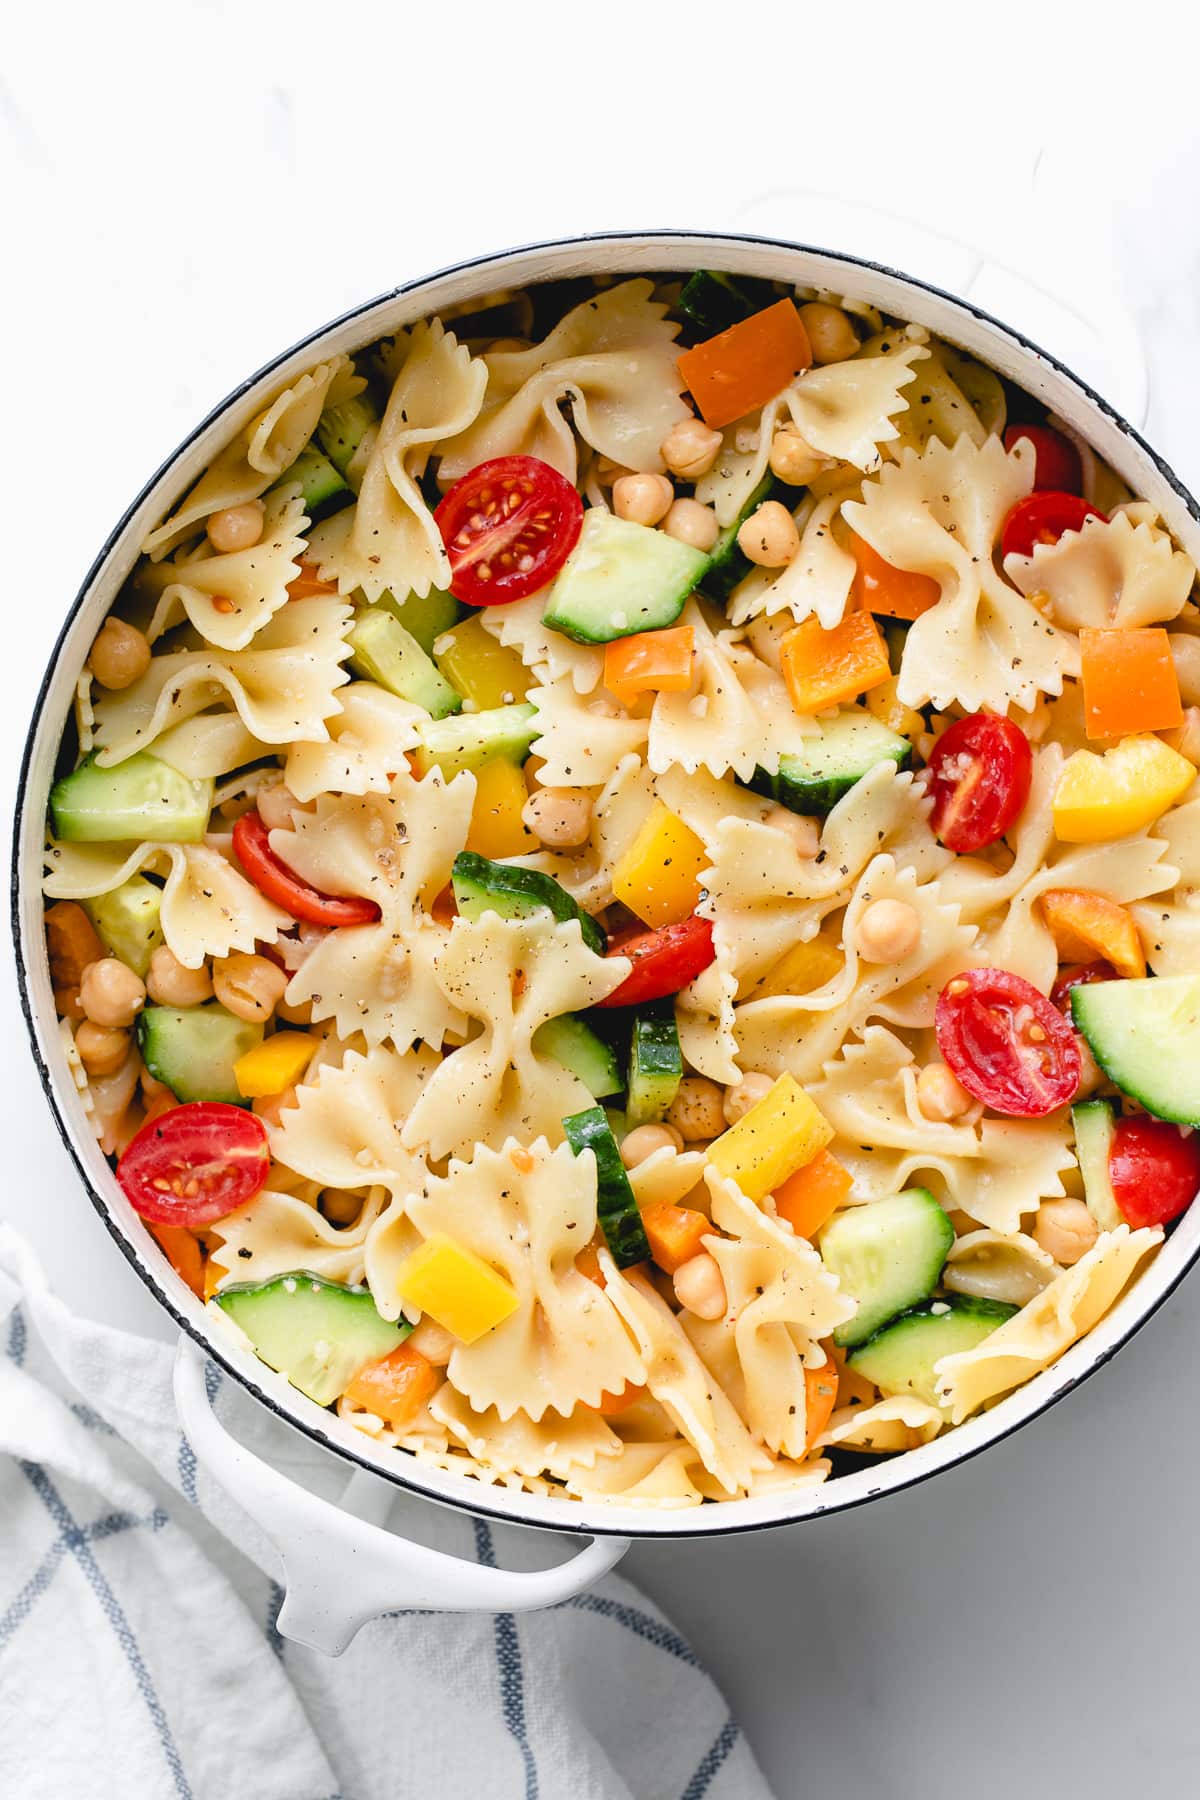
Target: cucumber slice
x=1145 y=1034
x=193 y=1049
x=316 y=1333
x=140 y=798
x=902 y=1358
x=621 y=578
x=616 y=1206
x=383 y=651
x=887 y=1256
x=814 y=779
x=425 y=616
x=127 y=919
x=1094 y=1132
x=341 y=429
x=655 y=1067
x=501 y=734
x=321 y=486
x=712 y=302
x=575 y=1045
x=481 y=885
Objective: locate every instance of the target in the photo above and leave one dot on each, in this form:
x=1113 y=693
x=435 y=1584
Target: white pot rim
x=631 y=252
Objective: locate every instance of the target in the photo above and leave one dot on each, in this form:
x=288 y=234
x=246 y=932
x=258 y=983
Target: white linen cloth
x=138 y=1650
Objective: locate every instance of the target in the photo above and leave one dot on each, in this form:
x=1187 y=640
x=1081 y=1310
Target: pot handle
x=340 y=1567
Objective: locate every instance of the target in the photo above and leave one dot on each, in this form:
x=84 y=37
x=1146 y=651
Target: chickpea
x=559 y=816
x=275 y=805
x=111 y=994
x=940 y=1094
x=793 y=459
x=1185 y=651
x=690 y=449
x=300 y=1014
x=1186 y=737
x=101 y=1050
x=769 y=536
x=171 y=983
x=692 y=524
x=643 y=499
x=433 y=1341
x=1065 y=1230
x=804 y=832
x=642 y=1143
x=236 y=527
x=888 y=931
x=700 y=1287
x=250 y=987
x=748 y=1092
x=831 y=336
x=269 y=1106
x=119 y=655
x=698 y=1109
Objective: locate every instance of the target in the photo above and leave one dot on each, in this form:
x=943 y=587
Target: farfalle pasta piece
x=705 y=1019
x=902 y=1423
x=345 y=1128
x=210 y=745
x=511 y=976
x=277 y=1233
x=388 y=541
x=998 y=1265
x=1114 y=573
x=845 y=409
x=1170 y=934
x=618 y=813
x=1040 y=1333
x=367 y=744
x=229 y=597
x=939 y=513
x=659 y=1474
x=705 y=801
x=283 y=687
x=552 y=657
x=582 y=741
x=262 y=451
x=520 y=1445
x=612 y=358
x=527 y=1212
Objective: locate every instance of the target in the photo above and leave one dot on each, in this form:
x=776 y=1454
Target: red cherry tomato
x=979 y=775
x=195 y=1163
x=1058 y=464
x=251 y=844
x=508 y=527
x=1154 y=1169
x=1041 y=518
x=663 y=961
x=1008 y=1046
x=1078 y=975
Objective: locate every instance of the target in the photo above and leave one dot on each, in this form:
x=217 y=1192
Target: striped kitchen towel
x=139 y=1656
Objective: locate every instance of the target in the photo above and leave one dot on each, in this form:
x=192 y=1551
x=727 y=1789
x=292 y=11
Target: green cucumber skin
x=286 y=1317
x=900 y=1358
x=139 y=799
x=321 y=486
x=127 y=919
x=426 y=616
x=341 y=429
x=383 y=651
x=481 y=885
x=851 y=745
x=1145 y=1035
x=616 y=1204
x=888 y=1256
x=621 y=579
x=1095 y=1125
x=193 y=1049
x=499 y=734
x=575 y=1045
x=712 y=302
x=655 y=1067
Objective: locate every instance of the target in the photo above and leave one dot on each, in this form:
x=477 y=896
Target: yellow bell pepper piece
x=885 y=704
x=1131 y=785
x=457 y=1288
x=802 y=969
x=274 y=1065
x=658 y=878
x=483 y=671
x=776 y=1137
x=497 y=828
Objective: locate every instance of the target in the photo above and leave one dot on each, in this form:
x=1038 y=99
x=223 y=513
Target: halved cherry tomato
x=1041 y=518
x=251 y=844
x=663 y=961
x=195 y=1164
x=508 y=526
x=1154 y=1168
x=1008 y=1046
x=1078 y=975
x=1057 y=464
x=979 y=775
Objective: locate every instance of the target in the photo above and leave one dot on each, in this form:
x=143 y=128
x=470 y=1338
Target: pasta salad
x=622 y=890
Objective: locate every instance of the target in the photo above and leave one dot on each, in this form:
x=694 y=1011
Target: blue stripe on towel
x=512 y=1672
x=109 y=1526
x=18 y=1337
x=713 y=1758
x=653 y=1631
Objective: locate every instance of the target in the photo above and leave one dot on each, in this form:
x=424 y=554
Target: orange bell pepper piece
x=675 y=1233
x=1129 y=682
x=72 y=942
x=307 y=585
x=820 y=1398
x=1085 y=925
x=183 y=1252
x=813 y=1194
x=609 y=1405
x=823 y=668
x=588 y=1264
x=741 y=369
x=396 y=1387
x=658 y=660
x=880 y=587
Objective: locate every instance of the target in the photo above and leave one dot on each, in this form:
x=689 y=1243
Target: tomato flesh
x=1041 y=518
x=194 y=1164
x=663 y=961
x=1154 y=1168
x=1058 y=465
x=252 y=847
x=1009 y=1047
x=508 y=526
x=980 y=772
x=1078 y=975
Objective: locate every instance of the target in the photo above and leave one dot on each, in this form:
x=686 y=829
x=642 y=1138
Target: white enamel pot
x=341 y=1567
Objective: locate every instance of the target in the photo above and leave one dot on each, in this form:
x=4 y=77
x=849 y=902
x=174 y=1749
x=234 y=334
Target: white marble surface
x=189 y=187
